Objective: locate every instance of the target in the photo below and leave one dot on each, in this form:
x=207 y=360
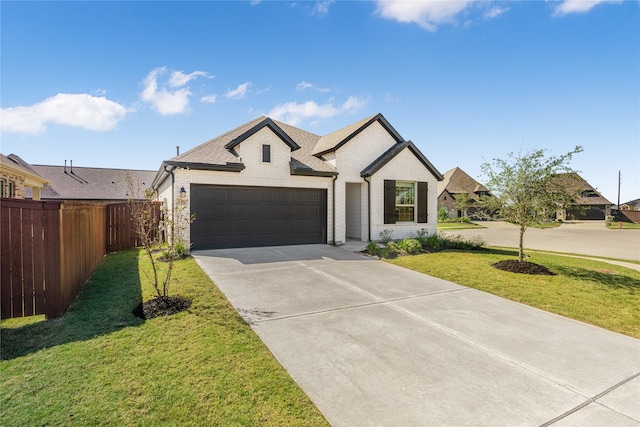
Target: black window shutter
x=389 y=201
x=423 y=193
x=266 y=153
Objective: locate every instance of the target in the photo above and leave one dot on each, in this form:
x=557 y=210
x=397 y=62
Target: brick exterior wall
x=350 y=160
x=18 y=182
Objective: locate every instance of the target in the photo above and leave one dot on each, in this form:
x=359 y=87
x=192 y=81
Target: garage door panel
x=257 y=216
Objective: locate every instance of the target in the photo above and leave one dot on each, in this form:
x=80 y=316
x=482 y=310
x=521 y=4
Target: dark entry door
x=236 y=217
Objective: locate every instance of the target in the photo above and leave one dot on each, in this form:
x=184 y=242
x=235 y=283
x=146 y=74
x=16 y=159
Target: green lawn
x=595 y=292
x=623 y=226
x=100 y=365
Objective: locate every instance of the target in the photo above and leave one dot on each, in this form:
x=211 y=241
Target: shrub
x=386 y=236
x=410 y=246
x=442 y=214
x=373 y=248
x=609 y=219
x=392 y=250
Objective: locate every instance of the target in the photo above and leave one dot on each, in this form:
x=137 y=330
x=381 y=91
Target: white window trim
x=413 y=205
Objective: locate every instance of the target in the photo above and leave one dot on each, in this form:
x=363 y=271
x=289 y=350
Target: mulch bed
x=164 y=306
x=524 y=267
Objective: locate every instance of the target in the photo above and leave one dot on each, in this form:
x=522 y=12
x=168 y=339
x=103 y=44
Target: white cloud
x=495 y=11
x=579 y=6
x=95 y=113
x=169 y=101
x=238 y=93
x=306 y=85
x=429 y=14
x=209 y=99
x=178 y=78
x=293 y=113
x=322 y=7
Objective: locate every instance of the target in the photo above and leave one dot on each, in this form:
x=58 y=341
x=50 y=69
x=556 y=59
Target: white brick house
x=266 y=183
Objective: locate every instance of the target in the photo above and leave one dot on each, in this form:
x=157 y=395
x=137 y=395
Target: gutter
x=333 y=209
x=173 y=192
x=368 y=207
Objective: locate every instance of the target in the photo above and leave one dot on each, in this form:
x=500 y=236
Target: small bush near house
x=386 y=236
x=410 y=246
x=391 y=250
x=373 y=249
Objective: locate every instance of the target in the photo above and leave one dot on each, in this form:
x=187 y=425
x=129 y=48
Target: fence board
x=5 y=263
x=27 y=261
x=15 y=223
x=51 y=259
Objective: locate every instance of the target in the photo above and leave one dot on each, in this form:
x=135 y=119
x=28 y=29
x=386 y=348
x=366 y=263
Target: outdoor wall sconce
x=182 y=191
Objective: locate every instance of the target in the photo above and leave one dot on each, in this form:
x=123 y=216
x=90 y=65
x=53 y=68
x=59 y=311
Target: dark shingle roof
x=575 y=183
x=219 y=150
x=457 y=181
x=85 y=183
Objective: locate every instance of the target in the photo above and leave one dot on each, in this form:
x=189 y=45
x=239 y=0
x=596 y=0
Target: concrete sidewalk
x=375 y=344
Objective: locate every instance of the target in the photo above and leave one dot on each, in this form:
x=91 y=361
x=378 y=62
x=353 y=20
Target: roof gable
x=457 y=181
x=392 y=152
x=337 y=139
x=268 y=123
x=575 y=183
x=17 y=165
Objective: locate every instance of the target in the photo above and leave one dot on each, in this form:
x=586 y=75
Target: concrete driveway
x=375 y=344
x=586 y=237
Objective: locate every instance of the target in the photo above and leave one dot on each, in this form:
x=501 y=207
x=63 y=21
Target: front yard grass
x=100 y=365
x=594 y=292
x=623 y=226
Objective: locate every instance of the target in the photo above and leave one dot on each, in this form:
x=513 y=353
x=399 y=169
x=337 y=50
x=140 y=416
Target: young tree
x=149 y=223
x=463 y=201
x=527 y=189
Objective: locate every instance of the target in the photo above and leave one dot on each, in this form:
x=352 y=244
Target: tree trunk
x=521 y=250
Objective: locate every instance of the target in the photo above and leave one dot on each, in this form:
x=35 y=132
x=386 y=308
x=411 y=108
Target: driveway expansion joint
x=349 y=307
x=593 y=400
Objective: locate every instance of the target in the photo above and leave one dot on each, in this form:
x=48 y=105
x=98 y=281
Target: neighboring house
x=268 y=183
x=455 y=183
x=18 y=178
x=87 y=185
x=633 y=205
x=591 y=205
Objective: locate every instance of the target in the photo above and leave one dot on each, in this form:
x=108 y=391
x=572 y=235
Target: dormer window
x=266 y=153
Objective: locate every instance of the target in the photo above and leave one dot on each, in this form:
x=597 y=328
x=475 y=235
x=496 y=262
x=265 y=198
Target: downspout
x=173 y=197
x=333 y=208
x=368 y=208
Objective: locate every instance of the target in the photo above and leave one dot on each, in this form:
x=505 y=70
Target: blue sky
x=121 y=84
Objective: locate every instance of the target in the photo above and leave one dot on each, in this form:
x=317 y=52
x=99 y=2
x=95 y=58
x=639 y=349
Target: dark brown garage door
x=236 y=217
x=587 y=212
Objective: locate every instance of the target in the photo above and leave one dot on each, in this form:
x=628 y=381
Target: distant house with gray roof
x=455 y=183
x=18 y=178
x=86 y=184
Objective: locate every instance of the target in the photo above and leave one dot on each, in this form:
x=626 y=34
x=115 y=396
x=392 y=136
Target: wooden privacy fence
x=626 y=215
x=49 y=249
x=121 y=233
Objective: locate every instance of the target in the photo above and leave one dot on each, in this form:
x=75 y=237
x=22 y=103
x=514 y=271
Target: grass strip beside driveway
x=594 y=292
x=100 y=365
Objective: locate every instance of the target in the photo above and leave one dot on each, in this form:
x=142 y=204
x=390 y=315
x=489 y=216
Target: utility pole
x=619 y=180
